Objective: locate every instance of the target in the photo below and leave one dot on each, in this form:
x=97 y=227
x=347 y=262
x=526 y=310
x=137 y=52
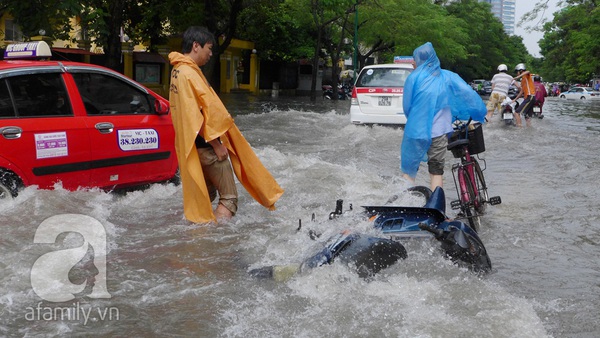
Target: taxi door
x=41 y=140
x=130 y=143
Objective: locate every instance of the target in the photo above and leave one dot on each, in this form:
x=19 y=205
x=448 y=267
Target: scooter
x=370 y=254
x=344 y=92
x=508 y=110
x=537 y=110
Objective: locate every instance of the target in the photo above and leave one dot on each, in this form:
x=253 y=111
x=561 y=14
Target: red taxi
x=79 y=125
x=377 y=93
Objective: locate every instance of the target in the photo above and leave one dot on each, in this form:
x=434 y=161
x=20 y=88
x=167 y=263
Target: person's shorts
x=495 y=101
x=437 y=155
x=526 y=107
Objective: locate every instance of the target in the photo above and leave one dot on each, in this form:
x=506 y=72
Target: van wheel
x=10 y=184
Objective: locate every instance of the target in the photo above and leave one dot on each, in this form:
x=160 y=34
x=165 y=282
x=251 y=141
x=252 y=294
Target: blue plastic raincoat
x=427 y=90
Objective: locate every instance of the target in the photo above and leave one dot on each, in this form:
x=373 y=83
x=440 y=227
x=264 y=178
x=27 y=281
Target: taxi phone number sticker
x=137 y=139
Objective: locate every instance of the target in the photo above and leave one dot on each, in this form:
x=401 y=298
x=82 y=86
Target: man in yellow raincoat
x=206 y=136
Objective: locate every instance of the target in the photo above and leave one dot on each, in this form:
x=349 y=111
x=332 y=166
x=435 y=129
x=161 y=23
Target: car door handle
x=10 y=133
x=105 y=127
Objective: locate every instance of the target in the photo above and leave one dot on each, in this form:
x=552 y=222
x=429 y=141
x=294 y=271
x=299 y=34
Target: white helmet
x=520 y=66
x=502 y=68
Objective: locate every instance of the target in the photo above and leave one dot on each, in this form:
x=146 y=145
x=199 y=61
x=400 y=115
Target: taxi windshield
x=383 y=77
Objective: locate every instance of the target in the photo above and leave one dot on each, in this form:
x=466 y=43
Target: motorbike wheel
x=420 y=191
x=9 y=185
x=417 y=191
x=482 y=263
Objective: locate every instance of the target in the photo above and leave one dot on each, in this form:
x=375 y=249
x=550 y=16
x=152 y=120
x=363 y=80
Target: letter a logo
x=50 y=272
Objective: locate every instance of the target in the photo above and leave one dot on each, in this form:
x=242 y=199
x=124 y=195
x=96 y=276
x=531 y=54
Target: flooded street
x=170 y=278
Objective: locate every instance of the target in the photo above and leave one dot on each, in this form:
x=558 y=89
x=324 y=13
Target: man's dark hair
x=197 y=34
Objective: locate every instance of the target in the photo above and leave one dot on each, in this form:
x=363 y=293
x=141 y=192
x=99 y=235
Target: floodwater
x=169 y=278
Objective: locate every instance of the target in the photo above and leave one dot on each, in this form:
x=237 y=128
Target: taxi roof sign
x=26 y=50
x=403 y=59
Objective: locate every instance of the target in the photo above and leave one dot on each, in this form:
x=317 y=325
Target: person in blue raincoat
x=433 y=99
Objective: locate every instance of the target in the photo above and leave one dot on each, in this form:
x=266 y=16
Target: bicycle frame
x=466 y=165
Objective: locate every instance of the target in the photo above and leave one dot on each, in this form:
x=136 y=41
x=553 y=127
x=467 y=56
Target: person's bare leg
x=436 y=181
x=517 y=119
x=222 y=213
x=411 y=180
x=489 y=115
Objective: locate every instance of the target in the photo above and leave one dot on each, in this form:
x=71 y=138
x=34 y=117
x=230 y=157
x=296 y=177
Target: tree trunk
x=113 y=44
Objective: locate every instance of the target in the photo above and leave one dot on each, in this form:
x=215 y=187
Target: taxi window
x=35 y=95
x=6 y=107
x=383 y=77
x=103 y=94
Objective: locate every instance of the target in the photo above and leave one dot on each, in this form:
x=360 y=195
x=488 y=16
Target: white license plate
x=536 y=109
x=508 y=116
x=385 y=101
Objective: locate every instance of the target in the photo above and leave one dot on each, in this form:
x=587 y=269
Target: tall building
x=504 y=10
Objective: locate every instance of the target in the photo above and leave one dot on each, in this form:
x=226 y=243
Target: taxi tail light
x=354 y=99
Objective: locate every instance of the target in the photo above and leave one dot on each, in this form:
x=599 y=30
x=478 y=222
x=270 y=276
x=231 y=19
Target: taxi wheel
x=175 y=180
x=9 y=184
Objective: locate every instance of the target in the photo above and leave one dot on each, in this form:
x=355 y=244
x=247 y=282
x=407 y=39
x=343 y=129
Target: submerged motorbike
x=371 y=254
x=344 y=91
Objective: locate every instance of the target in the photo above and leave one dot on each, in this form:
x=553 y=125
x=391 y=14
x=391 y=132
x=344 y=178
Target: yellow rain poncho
x=196 y=108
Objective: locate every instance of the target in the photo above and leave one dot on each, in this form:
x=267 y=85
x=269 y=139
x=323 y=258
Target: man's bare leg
x=517 y=119
x=222 y=213
x=436 y=181
x=411 y=180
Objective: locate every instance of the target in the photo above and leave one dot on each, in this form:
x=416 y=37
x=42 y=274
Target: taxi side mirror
x=161 y=107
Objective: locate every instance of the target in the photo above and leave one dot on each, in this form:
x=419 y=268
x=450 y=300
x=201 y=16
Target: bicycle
x=466 y=141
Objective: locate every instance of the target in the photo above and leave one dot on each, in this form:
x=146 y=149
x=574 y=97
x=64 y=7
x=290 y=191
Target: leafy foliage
x=570 y=45
x=468 y=38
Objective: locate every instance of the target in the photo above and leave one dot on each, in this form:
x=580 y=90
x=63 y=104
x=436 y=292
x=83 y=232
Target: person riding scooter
x=540 y=96
x=528 y=92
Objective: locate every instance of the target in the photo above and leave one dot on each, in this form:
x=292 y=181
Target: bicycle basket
x=475 y=136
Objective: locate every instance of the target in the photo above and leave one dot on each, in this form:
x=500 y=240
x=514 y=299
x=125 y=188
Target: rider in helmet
x=540 y=95
x=527 y=91
x=501 y=82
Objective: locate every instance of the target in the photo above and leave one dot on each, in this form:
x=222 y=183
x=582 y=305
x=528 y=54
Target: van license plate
x=385 y=101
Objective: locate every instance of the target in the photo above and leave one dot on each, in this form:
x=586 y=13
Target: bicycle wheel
x=469 y=205
x=482 y=192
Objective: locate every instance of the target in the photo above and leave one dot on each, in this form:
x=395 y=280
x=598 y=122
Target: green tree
x=487 y=45
x=277 y=33
x=570 y=44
